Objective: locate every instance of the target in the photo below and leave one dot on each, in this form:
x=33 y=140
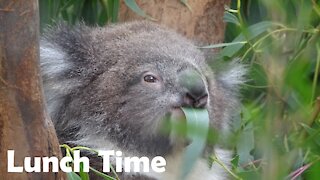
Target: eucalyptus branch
x=214 y=158
x=274 y=32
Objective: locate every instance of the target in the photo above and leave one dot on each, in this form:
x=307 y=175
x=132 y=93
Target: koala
x=109 y=88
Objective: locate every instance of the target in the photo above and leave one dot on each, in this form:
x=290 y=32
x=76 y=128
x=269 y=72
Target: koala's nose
x=195 y=93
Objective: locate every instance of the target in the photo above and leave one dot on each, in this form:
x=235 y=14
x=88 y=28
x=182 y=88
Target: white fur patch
x=234 y=76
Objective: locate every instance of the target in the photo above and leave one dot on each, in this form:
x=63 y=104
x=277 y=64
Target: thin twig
x=217 y=160
x=254 y=162
x=299 y=171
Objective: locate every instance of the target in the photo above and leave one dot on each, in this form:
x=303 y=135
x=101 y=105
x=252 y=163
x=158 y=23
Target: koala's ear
x=229 y=74
x=234 y=75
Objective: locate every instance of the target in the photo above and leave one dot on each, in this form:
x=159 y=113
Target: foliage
x=91 y=12
x=84 y=175
x=278 y=134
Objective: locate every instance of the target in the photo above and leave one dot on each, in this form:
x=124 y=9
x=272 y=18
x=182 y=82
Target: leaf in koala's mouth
x=197 y=131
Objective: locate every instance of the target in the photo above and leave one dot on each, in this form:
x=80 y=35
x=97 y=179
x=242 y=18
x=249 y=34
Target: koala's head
x=114 y=86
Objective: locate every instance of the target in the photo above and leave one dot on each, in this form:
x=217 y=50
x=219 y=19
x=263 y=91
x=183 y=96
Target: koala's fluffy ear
x=232 y=75
x=229 y=74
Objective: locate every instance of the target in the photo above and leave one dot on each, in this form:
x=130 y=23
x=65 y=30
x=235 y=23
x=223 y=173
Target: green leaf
x=245 y=135
x=73 y=176
x=104 y=15
x=90 y=13
x=314 y=133
x=235 y=161
x=252 y=174
x=185 y=2
x=115 y=4
x=313 y=172
x=135 y=8
x=251 y=33
x=197 y=131
x=308 y=129
x=246 y=144
x=231 y=18
x=83 y=175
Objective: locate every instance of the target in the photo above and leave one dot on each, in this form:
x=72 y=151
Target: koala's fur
x=96 y=98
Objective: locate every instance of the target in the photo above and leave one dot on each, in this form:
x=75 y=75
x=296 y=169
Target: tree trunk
x=204 y=23
x=24 y=125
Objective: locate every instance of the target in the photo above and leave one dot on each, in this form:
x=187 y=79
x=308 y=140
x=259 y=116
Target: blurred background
x=277 y=135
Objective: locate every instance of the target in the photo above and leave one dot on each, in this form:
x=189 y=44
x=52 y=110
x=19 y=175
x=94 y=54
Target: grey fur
x=94 y=90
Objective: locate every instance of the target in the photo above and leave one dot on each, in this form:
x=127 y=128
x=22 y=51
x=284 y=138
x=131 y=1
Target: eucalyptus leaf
x=313 y=133
x=73 y=176
x=251 y=33
x=308 y=129
x=105 y=12
x=83 y=175
x=245 y=144
x=135 y=8
x=197 y=131
x=235 y=161
x=185 y=2
x=115 y=5
x=231 y=18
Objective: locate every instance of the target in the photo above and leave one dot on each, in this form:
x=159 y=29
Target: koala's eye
x=150 y=78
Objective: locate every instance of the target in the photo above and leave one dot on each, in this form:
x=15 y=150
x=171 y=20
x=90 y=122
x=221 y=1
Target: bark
x=24 y=125
x=204 y=23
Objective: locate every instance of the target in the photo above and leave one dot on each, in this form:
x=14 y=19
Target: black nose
x=195 y=93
